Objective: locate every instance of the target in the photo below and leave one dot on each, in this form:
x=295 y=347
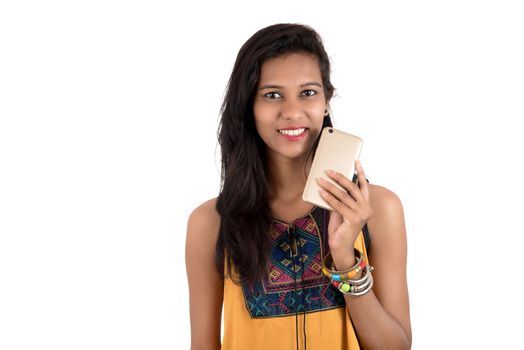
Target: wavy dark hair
x=243 y=201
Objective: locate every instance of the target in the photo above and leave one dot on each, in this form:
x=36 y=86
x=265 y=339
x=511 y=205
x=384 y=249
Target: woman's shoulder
x=207 y=209
x=203 y=227
x=386 y=223
x=205 y=217
x=380 y=196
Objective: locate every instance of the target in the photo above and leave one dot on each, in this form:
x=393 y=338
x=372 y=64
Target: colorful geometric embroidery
x=295 y=282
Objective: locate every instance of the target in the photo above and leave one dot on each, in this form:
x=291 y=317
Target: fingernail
x=331 y=172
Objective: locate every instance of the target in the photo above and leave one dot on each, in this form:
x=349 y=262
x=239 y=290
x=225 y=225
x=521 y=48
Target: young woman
x=260 y=251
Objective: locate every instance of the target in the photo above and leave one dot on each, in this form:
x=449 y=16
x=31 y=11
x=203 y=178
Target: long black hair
x=243 y=203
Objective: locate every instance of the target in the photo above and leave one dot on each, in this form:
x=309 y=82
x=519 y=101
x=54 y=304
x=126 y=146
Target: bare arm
x=206 y=289
x=381 y=317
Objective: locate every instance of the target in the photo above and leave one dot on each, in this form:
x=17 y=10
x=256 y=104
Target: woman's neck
x=287 y=179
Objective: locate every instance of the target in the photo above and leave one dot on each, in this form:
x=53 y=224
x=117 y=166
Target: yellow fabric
x=325 y=329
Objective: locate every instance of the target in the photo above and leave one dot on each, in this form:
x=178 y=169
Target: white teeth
x=295 y=132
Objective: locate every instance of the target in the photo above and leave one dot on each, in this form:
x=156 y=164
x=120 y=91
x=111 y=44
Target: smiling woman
x=290 y=105
x=259 y=251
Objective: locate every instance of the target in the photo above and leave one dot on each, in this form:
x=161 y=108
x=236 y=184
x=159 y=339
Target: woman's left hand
x=352 y=209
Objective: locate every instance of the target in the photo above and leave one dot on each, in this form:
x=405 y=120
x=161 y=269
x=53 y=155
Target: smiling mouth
x=292 y=132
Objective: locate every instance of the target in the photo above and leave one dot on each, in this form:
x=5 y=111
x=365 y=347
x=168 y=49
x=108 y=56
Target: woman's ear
x=327 y=110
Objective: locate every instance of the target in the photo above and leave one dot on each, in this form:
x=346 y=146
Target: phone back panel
x=337 y=150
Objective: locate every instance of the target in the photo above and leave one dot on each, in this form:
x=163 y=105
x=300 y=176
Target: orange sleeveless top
x=294 y=306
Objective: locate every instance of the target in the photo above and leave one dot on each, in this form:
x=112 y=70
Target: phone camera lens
x=330 y=131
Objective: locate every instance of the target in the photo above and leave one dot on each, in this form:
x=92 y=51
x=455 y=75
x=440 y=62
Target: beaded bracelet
x=356 y=287
x=345 y=280
x=343 y=275
x=356 y=291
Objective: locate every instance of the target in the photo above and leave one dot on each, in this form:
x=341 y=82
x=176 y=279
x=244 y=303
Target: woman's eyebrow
x=271 y=86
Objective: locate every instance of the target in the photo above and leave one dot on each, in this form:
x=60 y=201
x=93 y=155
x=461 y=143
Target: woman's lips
x=295 y=138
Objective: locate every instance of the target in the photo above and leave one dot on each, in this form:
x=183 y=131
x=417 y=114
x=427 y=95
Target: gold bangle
x=344 y=274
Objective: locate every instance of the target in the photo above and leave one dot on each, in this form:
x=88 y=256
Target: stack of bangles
x=347 y=281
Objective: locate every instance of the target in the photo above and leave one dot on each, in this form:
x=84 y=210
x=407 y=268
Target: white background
x=109 y=113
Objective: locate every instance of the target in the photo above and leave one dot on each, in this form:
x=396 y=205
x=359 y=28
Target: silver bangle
x=364 y=285
x=365 y=291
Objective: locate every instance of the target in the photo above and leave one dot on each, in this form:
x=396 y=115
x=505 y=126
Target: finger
x=346 y=183
x=337 y=205
x=339 y=194
x=363 y=184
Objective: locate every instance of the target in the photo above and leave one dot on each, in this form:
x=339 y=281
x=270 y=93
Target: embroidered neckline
x=297 y=219
x=294 y=282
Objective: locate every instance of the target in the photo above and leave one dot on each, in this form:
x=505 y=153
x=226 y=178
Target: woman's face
x=289 y=96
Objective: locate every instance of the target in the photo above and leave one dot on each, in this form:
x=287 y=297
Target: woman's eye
x=313 y=92
x=271 y=93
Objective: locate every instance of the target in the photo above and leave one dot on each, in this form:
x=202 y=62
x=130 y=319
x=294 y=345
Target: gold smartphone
x=337 y=150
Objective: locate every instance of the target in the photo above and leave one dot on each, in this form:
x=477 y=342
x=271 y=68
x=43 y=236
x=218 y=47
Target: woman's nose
x=292 y=108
